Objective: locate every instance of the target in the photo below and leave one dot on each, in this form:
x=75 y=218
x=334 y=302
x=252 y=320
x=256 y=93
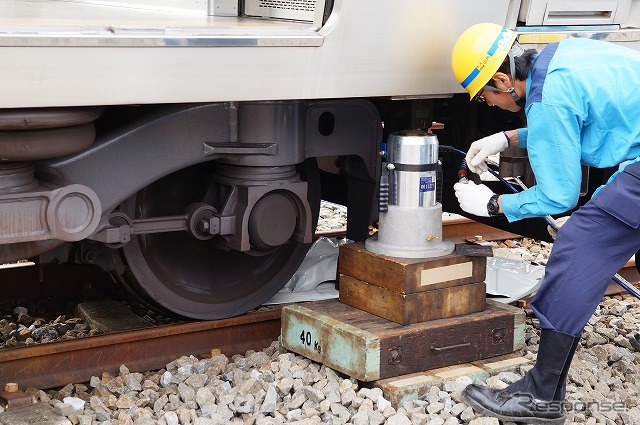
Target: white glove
x=559 y=222
x=473 y=198
x=481 y=149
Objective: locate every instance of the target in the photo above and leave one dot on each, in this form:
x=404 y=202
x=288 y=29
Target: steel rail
x=74 y=361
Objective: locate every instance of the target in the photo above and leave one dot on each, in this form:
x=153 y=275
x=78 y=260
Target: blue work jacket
x=583 y=107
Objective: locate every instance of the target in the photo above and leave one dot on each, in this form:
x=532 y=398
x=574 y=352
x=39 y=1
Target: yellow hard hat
x=478 y=54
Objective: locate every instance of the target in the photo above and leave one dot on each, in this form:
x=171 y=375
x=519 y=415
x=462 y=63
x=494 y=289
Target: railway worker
x=582 y=107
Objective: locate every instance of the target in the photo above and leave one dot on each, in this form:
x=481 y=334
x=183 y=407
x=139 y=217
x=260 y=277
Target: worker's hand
x=473 y=198
x=481 y=149
x=559 y=222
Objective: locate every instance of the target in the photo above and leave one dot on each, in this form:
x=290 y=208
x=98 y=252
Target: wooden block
x=409 y=275
x=506 y=363
x=416 y=307
x=407 y=387
x=451 y=373
x=368 y=348
x=400 y=389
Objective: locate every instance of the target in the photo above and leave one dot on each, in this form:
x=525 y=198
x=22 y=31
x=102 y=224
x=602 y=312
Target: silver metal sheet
x=58 y=53
x=26 y=23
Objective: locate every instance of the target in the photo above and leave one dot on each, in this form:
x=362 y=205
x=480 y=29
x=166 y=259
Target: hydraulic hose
x=550 y=221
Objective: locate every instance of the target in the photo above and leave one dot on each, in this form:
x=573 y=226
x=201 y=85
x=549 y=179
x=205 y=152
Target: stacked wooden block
x=397 y=316
x=411 y=290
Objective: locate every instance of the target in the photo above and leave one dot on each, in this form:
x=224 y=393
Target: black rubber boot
x=536 y=398
x=635 y=341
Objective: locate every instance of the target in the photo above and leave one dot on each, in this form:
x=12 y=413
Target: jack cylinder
x=412 y=163
x=410 y=222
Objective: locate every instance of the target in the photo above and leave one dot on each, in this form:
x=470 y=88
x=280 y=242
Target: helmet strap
x=515 y=51
x=519 y=100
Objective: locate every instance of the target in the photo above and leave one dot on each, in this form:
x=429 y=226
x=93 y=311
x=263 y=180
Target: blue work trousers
x=589 y=249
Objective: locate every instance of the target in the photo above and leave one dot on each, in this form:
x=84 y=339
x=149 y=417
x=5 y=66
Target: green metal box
x=368 y=347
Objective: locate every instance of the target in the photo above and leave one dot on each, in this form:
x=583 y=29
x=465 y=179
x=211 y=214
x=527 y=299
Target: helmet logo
x=502 y=42
x=505 y=39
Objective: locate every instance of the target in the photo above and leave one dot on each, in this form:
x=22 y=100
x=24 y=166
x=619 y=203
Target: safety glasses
x=480 y=97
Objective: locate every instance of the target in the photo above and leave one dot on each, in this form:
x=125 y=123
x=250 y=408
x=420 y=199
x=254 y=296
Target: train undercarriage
x=206 y=210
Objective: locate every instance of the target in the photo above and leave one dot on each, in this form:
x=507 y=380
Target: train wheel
x=201 y=279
